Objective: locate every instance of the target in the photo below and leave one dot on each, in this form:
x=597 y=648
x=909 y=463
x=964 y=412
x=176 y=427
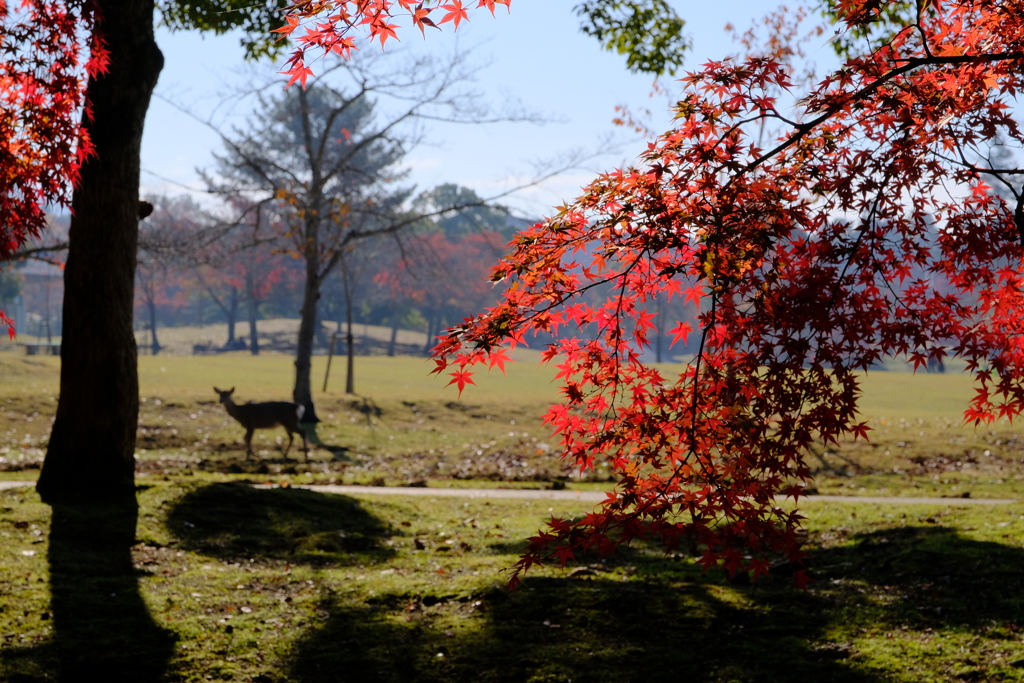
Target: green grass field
x=215 y=580
x=404 y=425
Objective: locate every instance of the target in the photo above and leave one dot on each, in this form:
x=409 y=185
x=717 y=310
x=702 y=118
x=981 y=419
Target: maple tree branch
x=911 y=64
x=33 y=253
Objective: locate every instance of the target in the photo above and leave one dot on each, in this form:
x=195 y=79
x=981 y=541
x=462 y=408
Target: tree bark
x=350 y=374
x=254 y=310
x=394 y=333
x=433 y=327
x=350 y=381
x=155 y=345
x=661 y=330
x=49 y=332
x=92 y=445
x=303 y=393
x=232 y=313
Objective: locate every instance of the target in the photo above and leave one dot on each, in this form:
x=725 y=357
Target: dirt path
x=588 y=496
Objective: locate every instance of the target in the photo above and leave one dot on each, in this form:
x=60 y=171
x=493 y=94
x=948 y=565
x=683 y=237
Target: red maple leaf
x=461 y=378
x=498 y=358
x=298 y=72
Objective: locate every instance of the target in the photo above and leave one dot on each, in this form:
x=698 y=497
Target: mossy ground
x=214 y=580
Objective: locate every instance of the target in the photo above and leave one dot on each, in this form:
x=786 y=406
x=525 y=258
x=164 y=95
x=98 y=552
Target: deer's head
x=225 y=396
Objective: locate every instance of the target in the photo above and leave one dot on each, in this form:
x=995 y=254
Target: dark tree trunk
x=303 y=393
x=661 y=331
x=394 y=334
x=350 y=351
x=200 y=311
x=49 y=332
x=350 y=375
x=154 y=344
x=92 y=445
x=430 y=327
x=254 y=309
x=232 y=311
x=433 y=327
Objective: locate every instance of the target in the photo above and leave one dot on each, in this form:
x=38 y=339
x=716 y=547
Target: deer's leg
x=290 y=439
x=248 y=443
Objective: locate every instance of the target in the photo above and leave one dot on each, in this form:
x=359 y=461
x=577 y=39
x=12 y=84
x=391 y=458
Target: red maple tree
x=443 y=276
x=325 y=27
x=42 y=142
x=866 y=228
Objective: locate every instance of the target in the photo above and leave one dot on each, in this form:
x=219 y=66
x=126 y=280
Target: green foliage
x=470 y=216
x=257 y=18
x=649 y=32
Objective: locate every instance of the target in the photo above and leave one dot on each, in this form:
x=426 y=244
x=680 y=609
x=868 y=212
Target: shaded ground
x=233 y=522
x=101 y=623
x=224 y=582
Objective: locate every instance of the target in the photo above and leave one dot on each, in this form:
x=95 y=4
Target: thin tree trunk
x=49 y=333
x=232 y=311
x=201 y=306
x=254 y=305
x=350 y=381
x=308 y=325
x=433 y=327
x=229 y=309
x=350 y=377
x=303 y=393
x=154 y=344
x=92 y=445
x=394 y=334
x=430 y=329
x=661 y=331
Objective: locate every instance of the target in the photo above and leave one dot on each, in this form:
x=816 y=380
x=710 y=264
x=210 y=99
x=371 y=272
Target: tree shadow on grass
x=560 y=629
x=102 y=627
x=932 y=576
x=233 y=521
x=669 y=627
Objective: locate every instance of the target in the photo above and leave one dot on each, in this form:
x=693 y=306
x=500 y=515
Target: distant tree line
x=194 y=271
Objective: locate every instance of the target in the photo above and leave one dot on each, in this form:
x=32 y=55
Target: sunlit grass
x=379 y=587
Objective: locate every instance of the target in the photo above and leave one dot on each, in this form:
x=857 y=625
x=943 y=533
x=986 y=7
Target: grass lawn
x=213 y=580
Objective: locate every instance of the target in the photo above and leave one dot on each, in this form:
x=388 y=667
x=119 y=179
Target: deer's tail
x=300 y=411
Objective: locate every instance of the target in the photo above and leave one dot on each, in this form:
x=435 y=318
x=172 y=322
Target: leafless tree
x=326 y=161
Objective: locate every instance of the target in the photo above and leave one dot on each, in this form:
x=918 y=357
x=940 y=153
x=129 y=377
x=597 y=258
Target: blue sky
x=535 y=54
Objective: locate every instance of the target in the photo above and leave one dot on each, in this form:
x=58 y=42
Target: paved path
x=594 y=496
x=590 y=496
x=597 y=496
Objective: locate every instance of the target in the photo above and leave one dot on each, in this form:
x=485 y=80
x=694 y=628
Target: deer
x=255 y=416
